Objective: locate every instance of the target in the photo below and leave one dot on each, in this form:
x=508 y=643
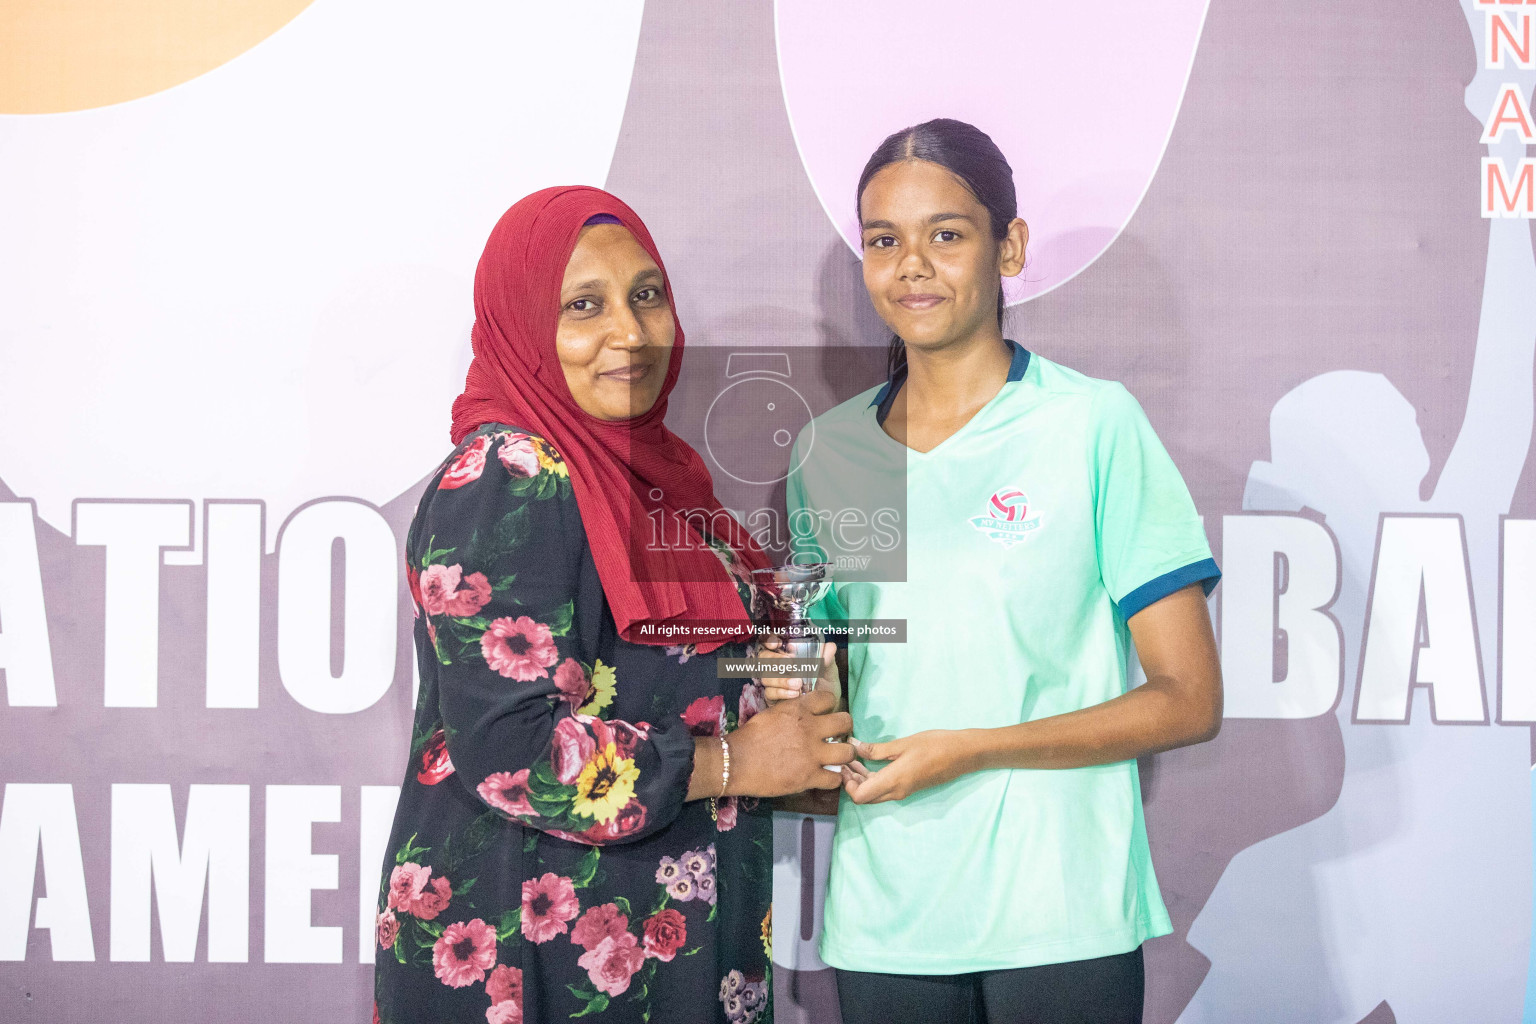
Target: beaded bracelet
x=725 y=765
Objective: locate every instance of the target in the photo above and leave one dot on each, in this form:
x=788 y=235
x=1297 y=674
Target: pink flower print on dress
x=597 y=924
x=518 y=455
x=405 y=884
x=438 y=584
x=725 y=813
x=387 y=928
x=519 y=648
x=549 y=903
x=466 y=950
x=613 y=963
x=507 y=792
x=470 y=598
x=466 y=469
x=572 y=748
x=432 y=900
x=752 y=700
x=505 y=984
x=572 y=682
x=505 y=987
x=504 y=1013
x=705 y=716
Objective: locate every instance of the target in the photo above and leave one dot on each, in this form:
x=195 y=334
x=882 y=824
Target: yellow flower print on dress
x=549 y=458
x=604 y=685
x=768 y=931
x=605 y=785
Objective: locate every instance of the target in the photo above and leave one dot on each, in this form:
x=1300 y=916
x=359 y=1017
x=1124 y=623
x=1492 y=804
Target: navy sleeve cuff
x=1204 y=571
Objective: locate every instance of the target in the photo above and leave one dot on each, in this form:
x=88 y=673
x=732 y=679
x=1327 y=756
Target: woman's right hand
x=783 y=750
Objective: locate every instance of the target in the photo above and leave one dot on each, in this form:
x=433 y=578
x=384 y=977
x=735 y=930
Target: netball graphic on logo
x=1007 y=519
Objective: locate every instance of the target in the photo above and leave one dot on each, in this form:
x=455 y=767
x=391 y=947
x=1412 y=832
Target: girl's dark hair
x=969 y=154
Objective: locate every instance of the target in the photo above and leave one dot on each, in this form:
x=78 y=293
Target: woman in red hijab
x=579 y=832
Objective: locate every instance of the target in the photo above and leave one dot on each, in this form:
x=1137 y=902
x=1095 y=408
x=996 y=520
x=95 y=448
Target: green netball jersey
x=1031 y=535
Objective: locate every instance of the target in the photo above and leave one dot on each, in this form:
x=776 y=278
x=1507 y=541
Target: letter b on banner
x=305 y=594
x=1281 y=573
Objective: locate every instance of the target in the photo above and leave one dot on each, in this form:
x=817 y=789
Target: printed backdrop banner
x=236 y=249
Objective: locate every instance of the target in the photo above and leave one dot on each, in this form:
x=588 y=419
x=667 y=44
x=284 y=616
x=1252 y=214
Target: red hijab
x=626 y=474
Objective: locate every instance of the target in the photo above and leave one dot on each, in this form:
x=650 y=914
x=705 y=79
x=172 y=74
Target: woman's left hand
x=913 y=763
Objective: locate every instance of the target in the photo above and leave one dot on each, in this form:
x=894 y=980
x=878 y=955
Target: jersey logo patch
x=1007 y=519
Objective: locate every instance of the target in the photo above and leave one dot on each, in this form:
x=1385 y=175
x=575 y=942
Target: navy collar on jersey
x=887 y=393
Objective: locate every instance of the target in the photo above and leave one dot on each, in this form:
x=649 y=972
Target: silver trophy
x=786 y=593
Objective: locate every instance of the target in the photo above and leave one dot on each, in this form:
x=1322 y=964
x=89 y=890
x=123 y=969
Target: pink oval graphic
x=1080 y=98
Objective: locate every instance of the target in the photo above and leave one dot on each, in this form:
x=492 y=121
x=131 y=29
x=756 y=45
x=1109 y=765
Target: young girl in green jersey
x=991 y=859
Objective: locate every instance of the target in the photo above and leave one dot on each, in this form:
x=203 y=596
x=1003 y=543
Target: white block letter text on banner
x=1420 y=629
x=39 y=819
x=294 y=871
x=1281 y=572
x=232 y=551
x=304 y=596
x=134 y=533
x=1517 y=622
x=25 y=655
x=215 y=849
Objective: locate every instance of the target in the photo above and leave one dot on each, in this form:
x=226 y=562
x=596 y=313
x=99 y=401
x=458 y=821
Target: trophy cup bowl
x=787 y=593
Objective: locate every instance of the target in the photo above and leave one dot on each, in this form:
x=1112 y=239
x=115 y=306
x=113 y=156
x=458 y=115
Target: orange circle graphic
x=64 y=55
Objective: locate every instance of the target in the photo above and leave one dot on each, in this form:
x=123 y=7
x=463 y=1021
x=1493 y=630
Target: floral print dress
x=543 y=864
